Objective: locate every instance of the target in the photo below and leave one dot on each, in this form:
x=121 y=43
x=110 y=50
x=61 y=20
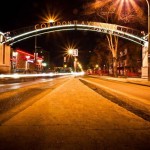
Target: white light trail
x=15 y=76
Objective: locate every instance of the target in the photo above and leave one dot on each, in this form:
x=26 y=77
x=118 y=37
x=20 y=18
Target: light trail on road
x=16 y=100
x=45 y=78
x=11 y=86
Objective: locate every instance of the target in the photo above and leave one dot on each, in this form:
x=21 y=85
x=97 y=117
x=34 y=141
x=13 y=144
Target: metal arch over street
x=15 y=36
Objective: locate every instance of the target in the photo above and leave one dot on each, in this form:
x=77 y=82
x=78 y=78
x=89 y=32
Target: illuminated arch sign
x=75 y=22
x=43 y=28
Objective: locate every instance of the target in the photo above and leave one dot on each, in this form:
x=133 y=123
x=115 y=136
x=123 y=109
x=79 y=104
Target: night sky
x=15 y=15
x=25 y=13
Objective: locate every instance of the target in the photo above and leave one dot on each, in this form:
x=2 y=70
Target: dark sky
x=24 y=13
x=16 y=14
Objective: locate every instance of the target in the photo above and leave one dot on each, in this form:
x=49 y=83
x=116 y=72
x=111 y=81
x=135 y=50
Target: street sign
x=75 y=52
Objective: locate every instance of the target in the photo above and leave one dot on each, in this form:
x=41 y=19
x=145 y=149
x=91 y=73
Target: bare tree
x=115 y=12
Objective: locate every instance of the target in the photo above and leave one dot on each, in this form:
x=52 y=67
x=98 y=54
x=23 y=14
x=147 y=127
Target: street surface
x=133 y=97
x=16 y=85
x=73 y=116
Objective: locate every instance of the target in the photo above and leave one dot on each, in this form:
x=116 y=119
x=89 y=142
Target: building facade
x=22 y=62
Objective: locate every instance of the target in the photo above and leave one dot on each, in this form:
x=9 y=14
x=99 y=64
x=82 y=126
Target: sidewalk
x=74 y=117
x=139 y=81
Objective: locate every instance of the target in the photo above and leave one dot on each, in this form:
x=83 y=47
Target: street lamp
x=74 y=53
x=75 y=64
x=51 y=20
x=70 y=51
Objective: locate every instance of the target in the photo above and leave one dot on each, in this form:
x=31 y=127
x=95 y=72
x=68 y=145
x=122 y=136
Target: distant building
x=24 y=61
x=127 y=66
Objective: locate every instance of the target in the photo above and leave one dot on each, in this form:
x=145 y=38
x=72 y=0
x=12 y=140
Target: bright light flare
x=69 y=48
x=123 y=6
x=70 y=51
x=50 y=17
x=51 y=20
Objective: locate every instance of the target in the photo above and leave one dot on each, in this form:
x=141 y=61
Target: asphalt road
x=18 y=96
x=74 y=117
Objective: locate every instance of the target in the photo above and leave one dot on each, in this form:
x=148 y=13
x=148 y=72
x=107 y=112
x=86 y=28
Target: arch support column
x=5 y=64
x=145 y=61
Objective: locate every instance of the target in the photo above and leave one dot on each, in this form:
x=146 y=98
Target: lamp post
x=75 y=64
x=74 y=53
x=70 y=53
